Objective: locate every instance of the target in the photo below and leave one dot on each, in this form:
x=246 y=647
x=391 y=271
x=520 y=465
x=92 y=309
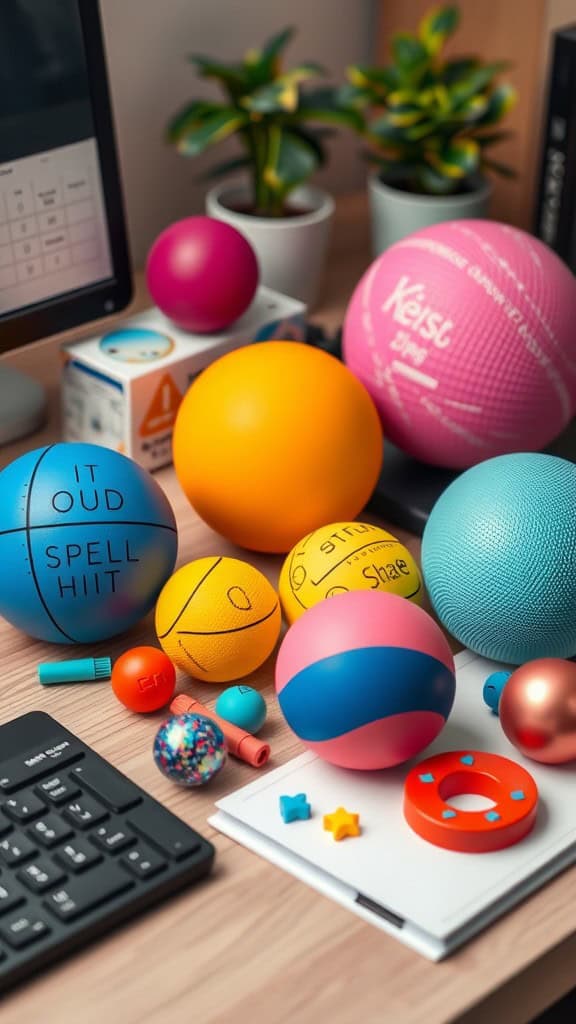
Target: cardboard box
x=122 y=389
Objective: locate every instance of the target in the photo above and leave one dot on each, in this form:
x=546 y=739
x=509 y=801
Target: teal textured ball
x=243 y=706
x=499 y=558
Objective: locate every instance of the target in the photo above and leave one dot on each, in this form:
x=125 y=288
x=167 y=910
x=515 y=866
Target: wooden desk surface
x=253 y=944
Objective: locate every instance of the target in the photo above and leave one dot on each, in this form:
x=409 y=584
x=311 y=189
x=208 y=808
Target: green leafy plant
x=277 y=116
x=432 y=118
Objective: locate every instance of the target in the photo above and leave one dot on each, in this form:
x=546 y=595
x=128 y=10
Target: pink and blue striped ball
x=365 y=679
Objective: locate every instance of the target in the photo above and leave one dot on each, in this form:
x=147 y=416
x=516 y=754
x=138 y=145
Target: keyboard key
x=107 y=785
x=23 y=929
x=23 y=228
x=143 y=861
x=85 y=252
x=57 y=790
x=41 y=874
x=54 y=240
x=19 y=201
x=23 y=807
x=54 y=261
x=169 y=834
x=10 y=897
x=19 y=771
x=49 y=220
x=90 y=890
x=112 y=837
x=50 y=830
x=7 y=277
x=78 y=855
x=27 y=249
x=5 y=825
x=16 y=848
x=84 y=812
x=29 y=270
x=48 y=196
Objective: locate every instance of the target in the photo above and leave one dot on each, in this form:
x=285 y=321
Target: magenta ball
x=365 y=679
x=202 y=274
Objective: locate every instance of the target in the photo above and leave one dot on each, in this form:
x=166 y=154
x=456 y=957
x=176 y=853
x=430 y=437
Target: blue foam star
x=467 y=759
x=427 y=777
x=518 y=794
x=492 y=816
x=294 y=808
x=448 y=814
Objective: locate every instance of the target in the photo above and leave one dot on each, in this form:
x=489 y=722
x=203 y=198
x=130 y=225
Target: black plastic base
x=407 y=489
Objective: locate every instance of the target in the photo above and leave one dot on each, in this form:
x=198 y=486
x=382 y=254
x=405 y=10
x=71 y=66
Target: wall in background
x=147 y=42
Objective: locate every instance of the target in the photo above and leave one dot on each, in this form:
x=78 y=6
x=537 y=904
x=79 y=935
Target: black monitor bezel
x=62 y=312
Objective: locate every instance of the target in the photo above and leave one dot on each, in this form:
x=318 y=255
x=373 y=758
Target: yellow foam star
x=342 y=824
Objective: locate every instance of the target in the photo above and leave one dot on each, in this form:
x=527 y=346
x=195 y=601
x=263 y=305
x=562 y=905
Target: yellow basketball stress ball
x=346 y=556
x=218 y=618
x=275 y=439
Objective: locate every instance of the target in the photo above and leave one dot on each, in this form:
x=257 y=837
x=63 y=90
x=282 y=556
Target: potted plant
x=279 y=119
x=429 y=125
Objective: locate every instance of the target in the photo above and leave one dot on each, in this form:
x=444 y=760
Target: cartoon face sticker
x=136 y=345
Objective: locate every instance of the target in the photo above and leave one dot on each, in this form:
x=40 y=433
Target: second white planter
x=395 y=213
x=291 y=250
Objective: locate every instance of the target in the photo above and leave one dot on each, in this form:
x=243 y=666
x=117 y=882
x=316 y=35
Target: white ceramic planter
x=290 y=250
x=395 y=213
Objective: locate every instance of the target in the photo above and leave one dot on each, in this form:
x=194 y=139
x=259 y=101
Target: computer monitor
x=63 y=250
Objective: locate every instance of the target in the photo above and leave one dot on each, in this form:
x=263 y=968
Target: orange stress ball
x=143 y=679
x=274 y=440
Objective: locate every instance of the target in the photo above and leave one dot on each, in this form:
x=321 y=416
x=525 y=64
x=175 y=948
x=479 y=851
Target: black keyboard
x=82 y=847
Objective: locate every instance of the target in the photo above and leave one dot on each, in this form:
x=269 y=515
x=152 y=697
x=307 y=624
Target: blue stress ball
x=243 y=706
x=499 y=558
x=189 y=749
x=87 y=541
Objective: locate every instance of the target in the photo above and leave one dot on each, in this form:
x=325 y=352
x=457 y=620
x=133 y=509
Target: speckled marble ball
x=189 y=749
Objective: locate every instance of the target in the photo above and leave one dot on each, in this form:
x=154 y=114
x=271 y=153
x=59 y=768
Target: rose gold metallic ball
x=538 y=710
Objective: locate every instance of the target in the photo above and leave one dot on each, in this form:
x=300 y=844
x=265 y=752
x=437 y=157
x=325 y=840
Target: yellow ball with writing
x=218 y=618
x=346 y=556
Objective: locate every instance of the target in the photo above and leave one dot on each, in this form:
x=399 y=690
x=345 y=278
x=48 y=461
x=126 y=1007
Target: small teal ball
x=492 y=689
x=499 y=558
x=242 y=706
x=189 y=749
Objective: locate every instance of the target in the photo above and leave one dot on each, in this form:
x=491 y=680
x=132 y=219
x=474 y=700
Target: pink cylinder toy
x=202 y=274
x=365 y=679
x=463 y=335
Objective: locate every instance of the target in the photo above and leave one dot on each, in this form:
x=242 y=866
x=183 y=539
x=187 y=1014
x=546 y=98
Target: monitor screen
x=59 y=193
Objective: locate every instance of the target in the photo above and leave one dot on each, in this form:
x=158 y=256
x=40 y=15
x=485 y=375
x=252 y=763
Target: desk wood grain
x=251 y=943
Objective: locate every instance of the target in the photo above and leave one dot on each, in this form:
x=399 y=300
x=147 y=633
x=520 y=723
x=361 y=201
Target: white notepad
x=432 y=899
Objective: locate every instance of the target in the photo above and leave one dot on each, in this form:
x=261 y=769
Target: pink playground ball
x=463 y=334
x=202 y=274
x=365 y=679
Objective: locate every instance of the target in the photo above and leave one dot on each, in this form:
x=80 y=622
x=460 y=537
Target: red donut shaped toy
x=431 y=783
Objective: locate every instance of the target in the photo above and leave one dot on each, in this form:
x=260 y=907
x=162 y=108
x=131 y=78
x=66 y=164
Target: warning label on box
x=161 y=413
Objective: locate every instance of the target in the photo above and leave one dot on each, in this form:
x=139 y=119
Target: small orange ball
x=143 y=679
x=274 y=440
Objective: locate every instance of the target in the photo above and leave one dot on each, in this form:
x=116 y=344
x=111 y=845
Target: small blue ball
x=492 y=690
x=242 y=706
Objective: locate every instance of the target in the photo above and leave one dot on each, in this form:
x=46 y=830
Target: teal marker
x=81 y=670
